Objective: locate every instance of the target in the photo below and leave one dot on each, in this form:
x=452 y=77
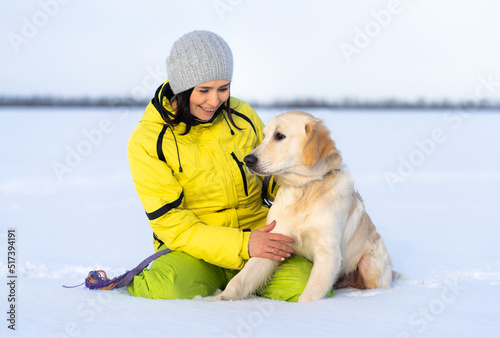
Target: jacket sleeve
x=162 y=198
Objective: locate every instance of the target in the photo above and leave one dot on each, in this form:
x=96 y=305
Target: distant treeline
x=49 y=101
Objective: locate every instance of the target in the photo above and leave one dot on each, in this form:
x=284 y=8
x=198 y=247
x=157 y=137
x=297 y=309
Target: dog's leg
x=255 y=273
x=376 y=267
x=323 y=274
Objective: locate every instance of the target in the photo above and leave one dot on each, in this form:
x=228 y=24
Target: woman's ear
x=173 y=102
x=318 y=144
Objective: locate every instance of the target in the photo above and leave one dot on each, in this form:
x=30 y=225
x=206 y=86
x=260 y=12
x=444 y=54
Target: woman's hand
x=264 y=244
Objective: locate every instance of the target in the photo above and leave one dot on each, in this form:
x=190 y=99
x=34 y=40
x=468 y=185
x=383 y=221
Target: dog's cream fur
x=318 y=207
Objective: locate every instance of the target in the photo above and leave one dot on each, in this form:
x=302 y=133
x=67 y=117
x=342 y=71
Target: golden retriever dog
x=318 y=207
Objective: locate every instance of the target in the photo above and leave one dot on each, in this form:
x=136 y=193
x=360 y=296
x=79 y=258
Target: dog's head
x=294 y=142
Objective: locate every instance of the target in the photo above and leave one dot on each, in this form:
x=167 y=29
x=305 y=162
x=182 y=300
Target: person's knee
x=289 y=281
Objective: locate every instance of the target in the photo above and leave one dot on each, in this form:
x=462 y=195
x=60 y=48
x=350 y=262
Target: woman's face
x=207 y=97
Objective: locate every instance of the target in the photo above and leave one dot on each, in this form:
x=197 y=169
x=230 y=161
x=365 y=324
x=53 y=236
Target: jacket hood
x=152 y=112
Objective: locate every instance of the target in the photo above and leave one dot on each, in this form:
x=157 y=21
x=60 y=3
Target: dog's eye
x=279 y=136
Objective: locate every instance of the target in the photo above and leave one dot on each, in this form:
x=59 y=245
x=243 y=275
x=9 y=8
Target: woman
x=186 y=158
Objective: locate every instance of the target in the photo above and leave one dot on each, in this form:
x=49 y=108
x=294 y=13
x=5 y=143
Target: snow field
x=429 y=181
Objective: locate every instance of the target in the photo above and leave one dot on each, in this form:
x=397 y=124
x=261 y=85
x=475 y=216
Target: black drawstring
x=177 y=147
x=232 y=132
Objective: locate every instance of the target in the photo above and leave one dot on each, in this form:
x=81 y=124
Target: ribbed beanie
x=198 y=57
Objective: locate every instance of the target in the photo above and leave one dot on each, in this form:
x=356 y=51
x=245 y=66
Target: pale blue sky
x=282 y=49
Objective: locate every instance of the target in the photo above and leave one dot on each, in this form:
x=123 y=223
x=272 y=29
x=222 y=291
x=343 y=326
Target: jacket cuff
x=244 y=248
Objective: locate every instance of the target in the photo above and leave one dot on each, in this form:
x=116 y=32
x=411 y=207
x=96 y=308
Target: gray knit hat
x=198 y=57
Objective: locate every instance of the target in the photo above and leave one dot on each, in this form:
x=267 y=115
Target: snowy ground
x=430 y=181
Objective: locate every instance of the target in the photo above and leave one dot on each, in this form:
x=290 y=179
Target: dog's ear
x=318 y=144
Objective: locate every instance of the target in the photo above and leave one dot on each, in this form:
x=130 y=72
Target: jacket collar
x=198 y=122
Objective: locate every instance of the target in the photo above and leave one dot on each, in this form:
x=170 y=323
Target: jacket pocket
x=242 y=171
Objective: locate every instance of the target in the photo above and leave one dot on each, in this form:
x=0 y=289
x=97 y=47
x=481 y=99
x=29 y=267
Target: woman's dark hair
x=183 y=111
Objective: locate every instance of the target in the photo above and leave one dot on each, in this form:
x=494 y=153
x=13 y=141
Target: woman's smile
x=207 y=97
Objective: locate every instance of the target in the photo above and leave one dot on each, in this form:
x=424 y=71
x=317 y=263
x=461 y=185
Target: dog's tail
x=397 y=275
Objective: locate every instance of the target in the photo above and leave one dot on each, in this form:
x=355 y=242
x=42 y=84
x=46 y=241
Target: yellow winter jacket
x=198 y=195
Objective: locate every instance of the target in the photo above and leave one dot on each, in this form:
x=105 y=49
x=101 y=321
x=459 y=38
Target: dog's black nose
x=250 y=160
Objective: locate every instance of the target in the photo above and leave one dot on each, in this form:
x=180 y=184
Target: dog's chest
x=295 y=214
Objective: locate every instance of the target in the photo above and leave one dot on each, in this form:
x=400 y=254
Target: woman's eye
x=279 y=136
x=224 y=89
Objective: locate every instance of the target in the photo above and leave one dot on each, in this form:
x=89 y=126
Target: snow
x=439 y=220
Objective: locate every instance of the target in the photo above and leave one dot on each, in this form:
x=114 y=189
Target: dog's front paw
x=215 y=298
x=225 y=296
x=304 y=298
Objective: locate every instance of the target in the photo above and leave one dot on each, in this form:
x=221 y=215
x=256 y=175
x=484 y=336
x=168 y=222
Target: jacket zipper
x=242 y=171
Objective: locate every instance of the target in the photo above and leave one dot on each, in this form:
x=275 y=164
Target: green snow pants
x=178 y=275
